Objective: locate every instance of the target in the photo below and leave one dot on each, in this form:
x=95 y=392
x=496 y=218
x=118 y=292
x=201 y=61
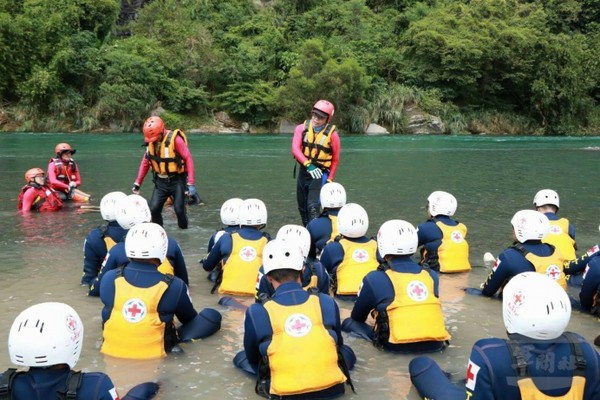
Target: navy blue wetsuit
x=264 y=287
x=117 y=257
x=377 y=292
x=222 y=249
x=175 y=301
x=44 y=383
x=258 y=331
x=320 y=231
x=94 y=249
x=225 y=229
x=511 y=262
x=589 y=296
x=490 y=374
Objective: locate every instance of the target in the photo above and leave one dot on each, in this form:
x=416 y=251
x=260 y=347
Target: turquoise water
x=390 y=176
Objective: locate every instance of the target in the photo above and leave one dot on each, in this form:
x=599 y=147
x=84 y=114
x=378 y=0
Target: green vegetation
x=494 y=66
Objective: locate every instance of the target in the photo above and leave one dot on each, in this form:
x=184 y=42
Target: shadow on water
x=492 y=177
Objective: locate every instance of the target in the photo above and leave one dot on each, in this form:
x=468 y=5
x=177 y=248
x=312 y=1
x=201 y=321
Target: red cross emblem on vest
x=417 y=291
x=134 y=310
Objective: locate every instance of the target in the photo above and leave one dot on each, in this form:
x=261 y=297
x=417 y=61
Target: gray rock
x=374 y=129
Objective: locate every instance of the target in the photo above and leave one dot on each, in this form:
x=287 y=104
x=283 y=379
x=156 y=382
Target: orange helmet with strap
x=153 y=129
x=32 y=173
x=325 y=107
x=62 y=147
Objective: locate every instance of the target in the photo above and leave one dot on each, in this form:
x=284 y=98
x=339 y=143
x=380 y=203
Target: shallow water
x=492 y=178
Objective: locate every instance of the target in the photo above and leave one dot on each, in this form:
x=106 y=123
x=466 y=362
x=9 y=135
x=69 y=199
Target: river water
x=390 y=176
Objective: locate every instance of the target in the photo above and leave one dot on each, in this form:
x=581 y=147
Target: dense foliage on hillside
x=500 y=66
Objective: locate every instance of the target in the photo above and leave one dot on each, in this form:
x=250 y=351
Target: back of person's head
x=397 y=237
x=535 y=306
x=147 y=241
x=530 y=225
x=353 y=221
x=109 y=205
x=230 y=211
x=133 y=210
x=46 y=334
x=546 y=197
x=282 y=260
x=296 y=234
x=253 y=212
x=441 y=203
x=332 y=195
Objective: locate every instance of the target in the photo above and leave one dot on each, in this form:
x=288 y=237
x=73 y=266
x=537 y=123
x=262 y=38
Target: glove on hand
x=73 y=184
x=192 y=190
x=315 y=172
x=71 y=192
x=135 y=189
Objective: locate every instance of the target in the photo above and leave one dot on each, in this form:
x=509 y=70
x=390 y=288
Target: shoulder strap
x=520 y=248
x=6 y=380
x=519 y=363
x=103 y=231
x=580 y=362
x=73 y=383
x=384 y=266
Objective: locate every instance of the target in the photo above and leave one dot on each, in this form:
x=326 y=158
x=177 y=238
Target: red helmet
x=62 y=147
x=325 y=107
x=32 y=173
x=153 y=129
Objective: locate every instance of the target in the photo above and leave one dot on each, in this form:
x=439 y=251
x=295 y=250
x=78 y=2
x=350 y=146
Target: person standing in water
x=316 y=147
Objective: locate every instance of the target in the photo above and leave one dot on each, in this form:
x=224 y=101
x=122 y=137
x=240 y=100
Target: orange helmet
x=62 y=147
x=32 y=173
x=153 y=129
x=325 y=107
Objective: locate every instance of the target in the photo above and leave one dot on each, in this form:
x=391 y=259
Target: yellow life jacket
x=166 y=267
x=334 y=227
x=551 y=266
x=359 y=260
x=415 y=314
x=164 y=160
x=134 y=329
x=302 y=355
x=558 y=236
x=453 y=252
x=241 y=268
x=527 y=387
x=317 y=146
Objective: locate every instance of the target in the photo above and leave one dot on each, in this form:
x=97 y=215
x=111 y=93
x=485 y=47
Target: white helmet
x=530 y=225
x=253 y=212
x=298 y=234
x=109 y=204
x=397 y=237
x=546 y=196
x=282 y=254
x=333 y=195
x=442 y=203
x=46 y=334
x=535 y=306
x=230 y=211
x=146 y=241
x=133 y=210
x=353 y=221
